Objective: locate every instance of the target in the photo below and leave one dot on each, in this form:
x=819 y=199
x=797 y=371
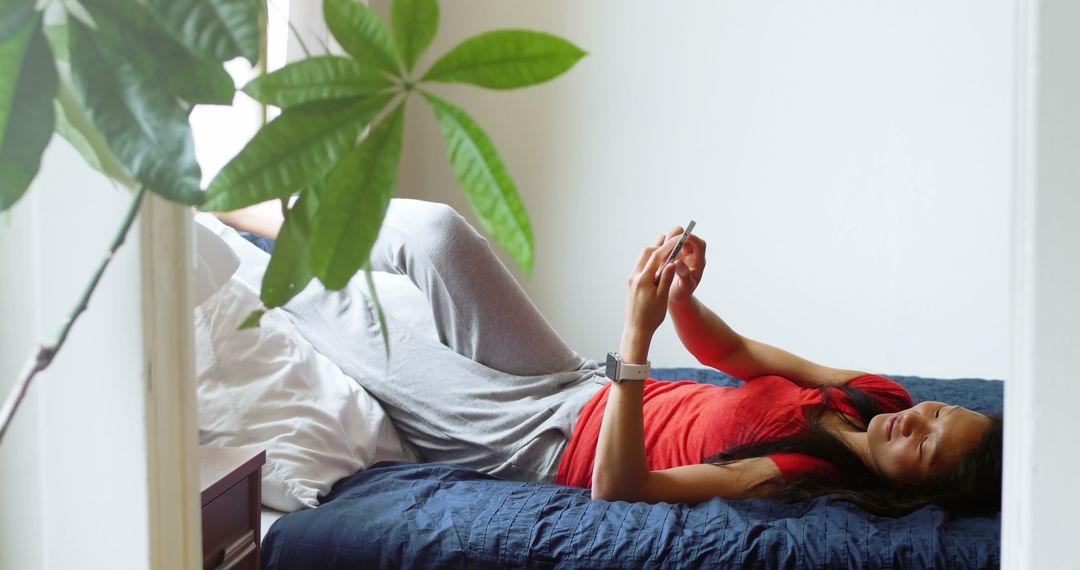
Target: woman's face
x=919 y=442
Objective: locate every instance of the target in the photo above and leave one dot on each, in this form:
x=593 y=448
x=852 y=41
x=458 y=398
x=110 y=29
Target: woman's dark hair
x=973 y=487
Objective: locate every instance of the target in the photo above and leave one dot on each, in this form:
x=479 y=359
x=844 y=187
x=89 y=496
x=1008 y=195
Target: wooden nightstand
x=230 y=478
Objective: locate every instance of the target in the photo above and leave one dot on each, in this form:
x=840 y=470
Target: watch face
x=612 y=369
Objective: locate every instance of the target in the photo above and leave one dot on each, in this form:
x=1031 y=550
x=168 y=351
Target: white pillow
x=268 y=387
x=215 y=262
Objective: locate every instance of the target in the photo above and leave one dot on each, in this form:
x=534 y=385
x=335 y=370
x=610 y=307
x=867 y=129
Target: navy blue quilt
x=442 y=516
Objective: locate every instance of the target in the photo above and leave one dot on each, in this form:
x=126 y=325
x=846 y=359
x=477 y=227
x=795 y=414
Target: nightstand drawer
x=230 y=479
x=227 y=525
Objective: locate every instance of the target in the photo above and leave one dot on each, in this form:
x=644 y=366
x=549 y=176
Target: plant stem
x=295 y=32
x=45 y=354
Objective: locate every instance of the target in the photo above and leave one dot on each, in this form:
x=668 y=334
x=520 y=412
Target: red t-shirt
x=687 y=422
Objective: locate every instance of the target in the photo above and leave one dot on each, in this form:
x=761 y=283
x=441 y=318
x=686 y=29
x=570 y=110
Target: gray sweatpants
x=499 y=392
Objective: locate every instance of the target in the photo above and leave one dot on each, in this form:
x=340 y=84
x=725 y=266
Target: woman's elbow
x=602 y=489
x=605 y=493
x=615 y=489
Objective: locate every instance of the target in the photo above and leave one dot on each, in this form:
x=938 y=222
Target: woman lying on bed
x=500 y=391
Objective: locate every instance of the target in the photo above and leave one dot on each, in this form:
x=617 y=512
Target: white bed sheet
x=268 y=516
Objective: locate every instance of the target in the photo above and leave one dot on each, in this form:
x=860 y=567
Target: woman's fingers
x=659 y=254
x=683 y=284
x=693 y=254
x=652 y=258
x=687 y=276
x=694 y=248
x=645 y=254
x=667 y=276
x=695 y=245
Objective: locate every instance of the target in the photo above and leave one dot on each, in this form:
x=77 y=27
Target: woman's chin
x=873 y=429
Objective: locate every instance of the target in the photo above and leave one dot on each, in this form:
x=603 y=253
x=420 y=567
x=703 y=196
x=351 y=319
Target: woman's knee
x=437 y=227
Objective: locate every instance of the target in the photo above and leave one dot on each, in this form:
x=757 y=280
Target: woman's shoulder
x=890 y=394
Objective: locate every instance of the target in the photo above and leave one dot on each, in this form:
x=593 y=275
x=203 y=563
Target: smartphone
x=678 y=247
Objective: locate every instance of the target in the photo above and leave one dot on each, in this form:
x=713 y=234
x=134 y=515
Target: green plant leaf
x=415 y=23
x=189 y=76
x=289 y=270
x=315 y=79
x=13 y=59
x=362 y=33
x=252 y=320
x=74 y=124
x=291 y=152
x=76 y=138
x=378 y=308
x=15 y=15
x=354 y=203
x=145 y=127
x=119 y=14
x=145 y=38
x=486 y=181
x=28 y=84
x=218 y=30
x=506 y=59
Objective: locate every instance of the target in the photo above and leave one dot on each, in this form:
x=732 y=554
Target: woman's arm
x=692 y=484
x=715 y=344
x=264 y=218
x=621 y=470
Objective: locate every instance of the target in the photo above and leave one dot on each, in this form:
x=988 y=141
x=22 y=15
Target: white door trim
x=1016 y=514
x=171 y=431
x=1040 y=496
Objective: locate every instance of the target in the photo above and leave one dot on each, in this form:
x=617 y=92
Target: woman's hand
x=646 y=302
x=689 y=269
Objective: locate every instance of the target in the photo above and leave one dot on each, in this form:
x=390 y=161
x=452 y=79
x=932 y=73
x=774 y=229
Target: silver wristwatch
x=617 y=370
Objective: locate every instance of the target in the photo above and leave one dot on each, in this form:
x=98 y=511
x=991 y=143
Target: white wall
x=849 y=163
x=73 y=467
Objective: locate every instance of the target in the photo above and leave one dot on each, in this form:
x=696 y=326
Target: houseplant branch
x=94 y=73
x=46 y=353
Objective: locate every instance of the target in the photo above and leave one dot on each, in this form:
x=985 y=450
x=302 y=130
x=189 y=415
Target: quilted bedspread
x=442 y=516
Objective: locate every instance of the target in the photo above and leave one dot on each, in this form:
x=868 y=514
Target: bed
x=335 y=450
x=403 y=515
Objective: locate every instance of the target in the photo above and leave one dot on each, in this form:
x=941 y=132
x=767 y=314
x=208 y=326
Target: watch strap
x=618 y=371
